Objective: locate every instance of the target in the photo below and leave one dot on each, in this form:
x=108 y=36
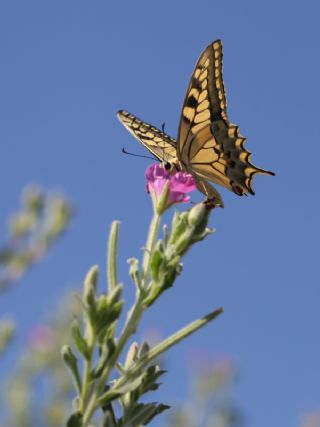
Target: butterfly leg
x=210 y=192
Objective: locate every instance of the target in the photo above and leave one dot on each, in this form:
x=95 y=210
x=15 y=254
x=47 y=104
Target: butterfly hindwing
x=157 y=142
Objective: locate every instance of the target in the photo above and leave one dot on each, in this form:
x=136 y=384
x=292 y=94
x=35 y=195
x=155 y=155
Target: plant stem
x=166 y=344
x=112 y=255
x=86 y=374
x=148 y=250
x=130 y=327
x=132 y=322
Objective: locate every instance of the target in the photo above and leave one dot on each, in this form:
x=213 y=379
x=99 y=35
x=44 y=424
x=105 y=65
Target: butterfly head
x=167 y=166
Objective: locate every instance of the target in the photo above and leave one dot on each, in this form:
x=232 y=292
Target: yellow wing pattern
x=209 y=146
x=157 y=142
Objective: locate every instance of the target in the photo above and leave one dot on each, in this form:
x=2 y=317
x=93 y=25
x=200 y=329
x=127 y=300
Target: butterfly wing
x=157 y=142
x=210 y=146
x=162 y=146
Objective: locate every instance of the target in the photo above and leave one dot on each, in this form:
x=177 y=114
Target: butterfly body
x=208 y=145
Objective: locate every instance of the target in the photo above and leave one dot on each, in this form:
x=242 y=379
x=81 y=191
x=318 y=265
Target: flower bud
x=198 y=216
x=131 y=355
x=91 y=278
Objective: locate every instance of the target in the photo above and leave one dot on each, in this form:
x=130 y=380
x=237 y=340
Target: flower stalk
x=161 y=264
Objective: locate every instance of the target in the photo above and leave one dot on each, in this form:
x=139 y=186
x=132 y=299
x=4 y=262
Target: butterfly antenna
x=163 y=152
x=138 y=155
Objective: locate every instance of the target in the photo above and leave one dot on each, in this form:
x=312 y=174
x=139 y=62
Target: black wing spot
x=192 y=102
x=196 y=84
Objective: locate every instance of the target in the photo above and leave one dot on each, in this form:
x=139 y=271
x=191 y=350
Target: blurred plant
x=101 y=380
x=210 y=403
x=33 y=230
x=38 y=391
x=6 y=333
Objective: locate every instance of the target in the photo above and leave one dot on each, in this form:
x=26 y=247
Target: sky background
x=68 y=66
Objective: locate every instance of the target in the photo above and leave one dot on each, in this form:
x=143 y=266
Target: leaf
x=179 y=225
x=156 y=261
x=75 y=420
x=106 y=351
x=80 y=342
x=144 y=413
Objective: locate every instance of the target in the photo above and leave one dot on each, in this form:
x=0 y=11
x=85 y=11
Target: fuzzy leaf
x=156 y=261
x=109 y=396
x=80 y=342
x=75 y=420
x=144 y=413
x=105 y=318
x=106 y=351
x=115 y=294
x=179 y=225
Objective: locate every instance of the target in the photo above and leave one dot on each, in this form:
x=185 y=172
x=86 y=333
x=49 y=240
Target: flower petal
x=180 y=184
x=183 y=182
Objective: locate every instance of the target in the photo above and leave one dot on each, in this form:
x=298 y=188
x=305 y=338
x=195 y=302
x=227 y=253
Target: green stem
x=164 y=346
x=112 y=255
x=85 y=386
x=148 y=250
x=129 y=329
x=134 y=317
x=86 y=374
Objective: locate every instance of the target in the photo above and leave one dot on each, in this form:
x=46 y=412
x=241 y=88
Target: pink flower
x=176 y=185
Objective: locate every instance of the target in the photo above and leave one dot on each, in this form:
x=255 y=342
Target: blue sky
x=67 y=67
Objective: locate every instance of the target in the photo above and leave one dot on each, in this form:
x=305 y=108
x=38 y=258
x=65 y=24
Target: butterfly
x=208 y=146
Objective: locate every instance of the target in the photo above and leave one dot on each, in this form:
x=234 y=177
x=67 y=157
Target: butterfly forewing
x=205 y=99
x=157 y=142
x=208 y=144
